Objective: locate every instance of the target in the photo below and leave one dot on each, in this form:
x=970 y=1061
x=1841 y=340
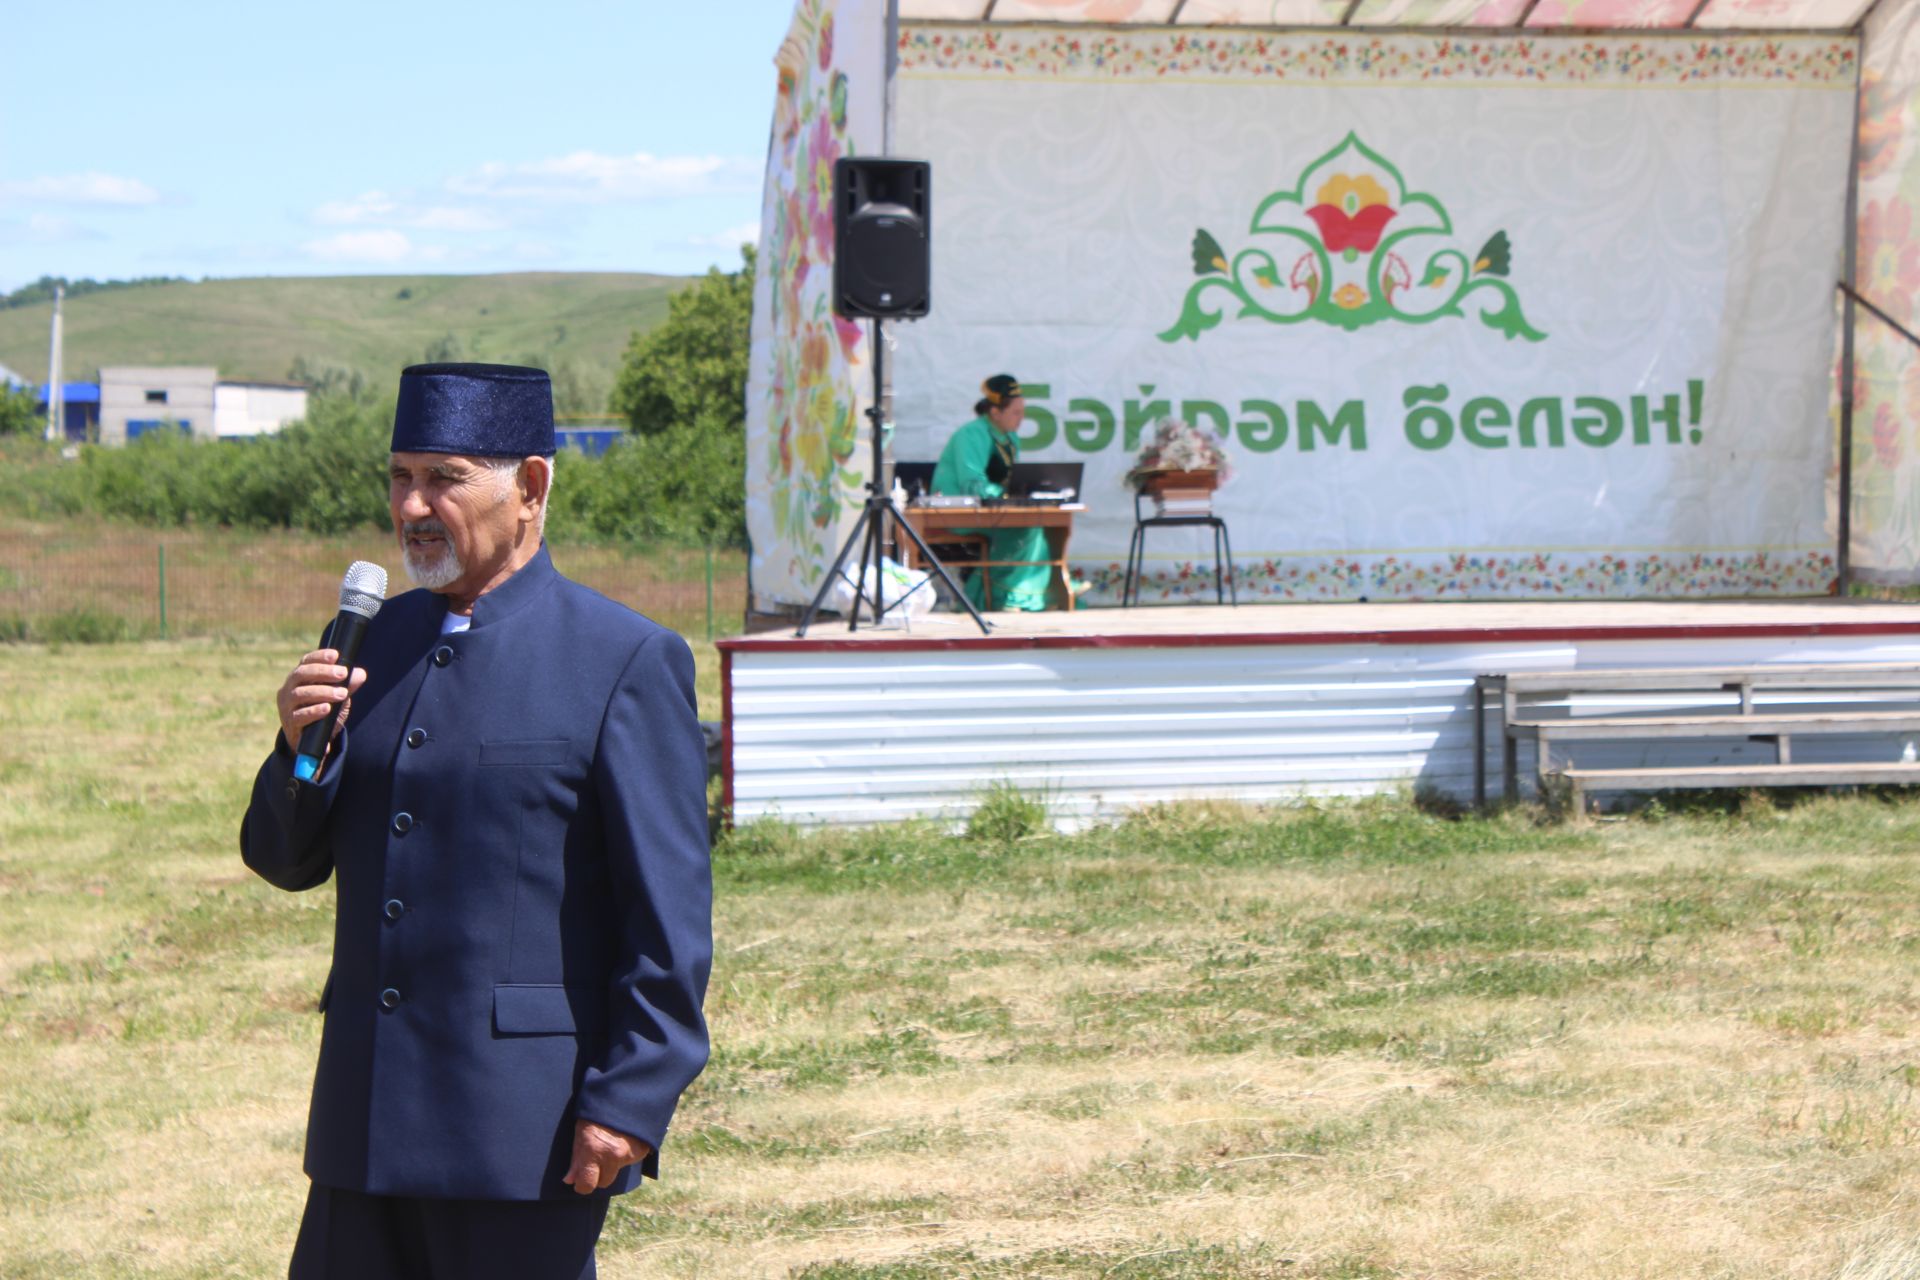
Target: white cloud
x=731 y=238
x=386 y=247
x=587 y=177
x=81 y=188
x=377 y=208
x=374 y=206
x=447 y=218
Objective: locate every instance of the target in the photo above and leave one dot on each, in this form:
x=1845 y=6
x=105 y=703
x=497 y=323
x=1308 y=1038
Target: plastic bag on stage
x=907 y=593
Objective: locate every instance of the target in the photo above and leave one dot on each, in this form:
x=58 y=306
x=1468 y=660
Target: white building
x=256 y=408
x=135 y=399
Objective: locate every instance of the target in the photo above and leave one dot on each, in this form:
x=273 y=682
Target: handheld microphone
x=362 y=592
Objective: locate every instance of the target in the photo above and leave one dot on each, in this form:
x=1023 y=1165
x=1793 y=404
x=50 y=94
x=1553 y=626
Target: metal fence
x=83 y=580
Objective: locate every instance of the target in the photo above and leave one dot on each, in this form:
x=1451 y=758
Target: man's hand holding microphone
x=314 y=698
x=312 y=690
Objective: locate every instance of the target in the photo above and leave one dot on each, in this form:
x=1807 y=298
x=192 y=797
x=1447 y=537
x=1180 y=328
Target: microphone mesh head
x=364 y=589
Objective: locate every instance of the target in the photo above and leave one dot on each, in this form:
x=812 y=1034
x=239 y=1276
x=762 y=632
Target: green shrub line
x=69 y=626
x=677 y=478
x=327 y=474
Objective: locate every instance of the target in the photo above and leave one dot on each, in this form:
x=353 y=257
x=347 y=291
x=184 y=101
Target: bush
x=682 y=486
x=81 y=626
x=35 y=481
x=19 y=413
x=326 y=473
x=1006 y=813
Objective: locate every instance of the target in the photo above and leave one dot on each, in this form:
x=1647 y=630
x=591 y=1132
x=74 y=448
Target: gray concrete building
x=135 y=399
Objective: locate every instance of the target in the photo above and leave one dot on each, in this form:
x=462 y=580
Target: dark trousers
x=348 y=1235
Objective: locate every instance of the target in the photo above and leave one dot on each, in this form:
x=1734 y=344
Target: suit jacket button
x=416 y=736
x=395 y=908
x=389 y=999
x=442 y=656
x=402 y=823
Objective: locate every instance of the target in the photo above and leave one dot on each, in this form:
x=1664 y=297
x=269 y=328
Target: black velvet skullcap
x=485 y=410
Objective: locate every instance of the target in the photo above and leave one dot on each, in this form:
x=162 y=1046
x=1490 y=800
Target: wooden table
x=1055 y=518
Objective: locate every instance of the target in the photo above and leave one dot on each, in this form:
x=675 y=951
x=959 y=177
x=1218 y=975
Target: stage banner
x=1476 y=317
x=809 y=378
x=1886 y=406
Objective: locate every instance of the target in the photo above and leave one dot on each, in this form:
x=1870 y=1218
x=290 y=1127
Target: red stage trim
x=1216 y=640
x=726 y=734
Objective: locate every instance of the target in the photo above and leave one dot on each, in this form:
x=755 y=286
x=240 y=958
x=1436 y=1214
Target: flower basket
x=1179 y=457
x=1158 y=484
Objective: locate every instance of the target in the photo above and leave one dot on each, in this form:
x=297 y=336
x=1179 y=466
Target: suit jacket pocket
x=540 y=1009
x=524 y=751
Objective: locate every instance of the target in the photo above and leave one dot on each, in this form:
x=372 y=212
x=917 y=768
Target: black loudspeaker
x=881 y=227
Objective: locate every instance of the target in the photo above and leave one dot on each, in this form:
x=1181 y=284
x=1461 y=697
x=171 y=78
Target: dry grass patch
x=1335 y=1042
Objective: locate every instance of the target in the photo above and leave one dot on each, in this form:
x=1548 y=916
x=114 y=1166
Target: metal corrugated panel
x=871 y=734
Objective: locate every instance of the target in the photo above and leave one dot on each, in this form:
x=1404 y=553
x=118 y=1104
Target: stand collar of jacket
x=518 y=591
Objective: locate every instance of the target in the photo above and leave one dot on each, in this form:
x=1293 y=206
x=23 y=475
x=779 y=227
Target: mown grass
x=1333 y=1041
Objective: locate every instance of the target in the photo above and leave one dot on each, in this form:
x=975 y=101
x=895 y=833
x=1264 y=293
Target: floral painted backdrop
x=1886 y=393
x=809 y=378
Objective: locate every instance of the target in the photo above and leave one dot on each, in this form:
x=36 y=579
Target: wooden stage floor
x=1336 y=623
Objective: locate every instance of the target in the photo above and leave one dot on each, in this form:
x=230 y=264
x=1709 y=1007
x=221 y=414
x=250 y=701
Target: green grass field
x=255 y=328
x=1339 y=1041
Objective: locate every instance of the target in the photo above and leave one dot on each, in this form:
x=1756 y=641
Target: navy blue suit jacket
x=516 y=815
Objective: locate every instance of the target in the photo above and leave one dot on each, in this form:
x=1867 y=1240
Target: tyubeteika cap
x=486 y=410
x=1000 y=388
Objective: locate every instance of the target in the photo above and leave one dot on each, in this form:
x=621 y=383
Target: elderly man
x=516 y=815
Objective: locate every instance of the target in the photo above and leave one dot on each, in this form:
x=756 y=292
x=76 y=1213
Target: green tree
x=19 y=414
x=683 y=391
x=693 y=367
x=579 y=388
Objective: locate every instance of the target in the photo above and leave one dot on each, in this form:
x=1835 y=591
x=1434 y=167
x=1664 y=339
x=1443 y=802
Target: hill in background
x=576 y=324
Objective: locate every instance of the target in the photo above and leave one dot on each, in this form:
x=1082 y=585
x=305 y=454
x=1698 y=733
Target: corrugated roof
x=72 y=393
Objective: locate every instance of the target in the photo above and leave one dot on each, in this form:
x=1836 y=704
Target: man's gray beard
x=441 y=571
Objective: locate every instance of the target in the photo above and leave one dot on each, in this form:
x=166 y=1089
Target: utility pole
x=56 y=401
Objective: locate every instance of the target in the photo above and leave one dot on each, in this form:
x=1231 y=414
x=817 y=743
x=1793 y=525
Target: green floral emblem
x=1344 y=247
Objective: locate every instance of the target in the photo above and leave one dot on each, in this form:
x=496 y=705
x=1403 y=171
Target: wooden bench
x=1752 y=775
x=1518 y=692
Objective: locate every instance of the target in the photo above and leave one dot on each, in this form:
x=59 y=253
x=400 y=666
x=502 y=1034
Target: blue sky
x=224 y=139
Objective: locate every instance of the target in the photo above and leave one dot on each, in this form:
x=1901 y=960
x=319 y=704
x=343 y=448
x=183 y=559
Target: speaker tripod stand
x=870 y=533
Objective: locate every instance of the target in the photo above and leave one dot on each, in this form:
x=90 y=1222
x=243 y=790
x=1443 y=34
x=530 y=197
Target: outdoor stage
x=1104 y=710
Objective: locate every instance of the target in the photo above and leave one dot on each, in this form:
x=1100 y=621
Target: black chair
x=1137 y=552
x=960 y=552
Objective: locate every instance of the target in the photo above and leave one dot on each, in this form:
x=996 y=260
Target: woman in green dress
x=977 y=461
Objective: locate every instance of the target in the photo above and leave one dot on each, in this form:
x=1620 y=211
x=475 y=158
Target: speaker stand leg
x=833 y=574
x=869 y=531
